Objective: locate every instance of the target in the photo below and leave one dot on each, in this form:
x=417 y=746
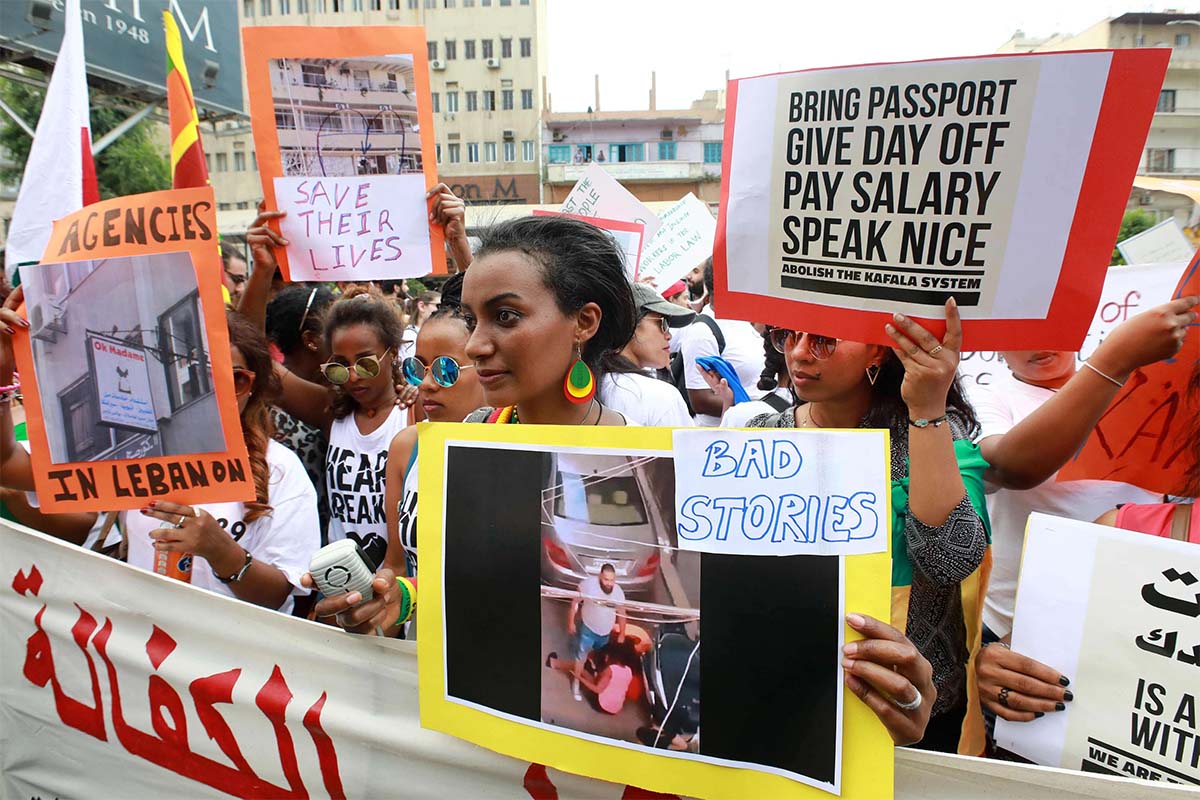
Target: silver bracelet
x=1108 y=378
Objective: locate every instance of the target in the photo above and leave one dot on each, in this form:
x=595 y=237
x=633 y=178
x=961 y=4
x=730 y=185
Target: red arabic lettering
x=326 y=755
x=39 y=670
x=273 y=699
x=31 y=582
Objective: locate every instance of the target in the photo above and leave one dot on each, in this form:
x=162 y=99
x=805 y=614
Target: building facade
x=1173 y=145
x=487 y=75
x=657 y=155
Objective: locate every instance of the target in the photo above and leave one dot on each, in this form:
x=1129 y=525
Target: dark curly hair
x=363 y=304
x=286 y=311
x=581 y=264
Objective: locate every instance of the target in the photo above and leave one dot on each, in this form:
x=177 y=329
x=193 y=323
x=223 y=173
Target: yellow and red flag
x=188 y=167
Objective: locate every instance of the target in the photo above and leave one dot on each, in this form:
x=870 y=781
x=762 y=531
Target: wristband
x=936 y=422
x=408 y=600
x=1108 y=378
x=237 y=576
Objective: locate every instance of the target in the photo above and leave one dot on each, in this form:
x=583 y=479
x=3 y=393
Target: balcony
x=634 y=171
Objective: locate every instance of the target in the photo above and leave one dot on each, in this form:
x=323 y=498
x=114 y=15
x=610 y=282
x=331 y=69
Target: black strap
x=716 y=330
x=776 y=402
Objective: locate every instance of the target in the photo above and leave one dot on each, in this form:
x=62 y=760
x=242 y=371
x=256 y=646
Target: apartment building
x=658 y=155
x=487 y=75
x=1173 y=145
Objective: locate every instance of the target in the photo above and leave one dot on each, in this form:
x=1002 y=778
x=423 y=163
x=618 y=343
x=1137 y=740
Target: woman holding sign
x=940 y=529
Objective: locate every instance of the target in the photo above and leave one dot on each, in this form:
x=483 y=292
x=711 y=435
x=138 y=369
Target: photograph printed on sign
x=569 y=607
x=122 y=358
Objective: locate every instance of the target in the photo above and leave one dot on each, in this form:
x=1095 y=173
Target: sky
x=690 y=43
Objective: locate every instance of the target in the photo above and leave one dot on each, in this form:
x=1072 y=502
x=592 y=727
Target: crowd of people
x=541 y=326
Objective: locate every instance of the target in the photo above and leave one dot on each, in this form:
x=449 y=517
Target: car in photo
x=594 y=512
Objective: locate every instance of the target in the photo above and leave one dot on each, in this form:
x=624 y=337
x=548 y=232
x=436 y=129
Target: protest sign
x=1118 y=613
x=127 y=355
x=1128 y=291
x=684 y=241
x=344 y=134
x=782 y=493
x=78 y=623
x=629 y=236
x=542 y=520
x=1000 y=181
x=1146 y=437
x=597 y=194
x=1163 y=243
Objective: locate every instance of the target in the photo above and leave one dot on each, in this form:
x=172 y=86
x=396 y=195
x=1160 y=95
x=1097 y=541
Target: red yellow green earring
x=580 y=384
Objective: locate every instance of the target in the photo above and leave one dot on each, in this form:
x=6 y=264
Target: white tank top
x=354 y=477
x=408 y=514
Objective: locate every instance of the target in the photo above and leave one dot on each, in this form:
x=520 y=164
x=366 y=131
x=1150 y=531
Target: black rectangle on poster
x=768 y=691
x=492 y=599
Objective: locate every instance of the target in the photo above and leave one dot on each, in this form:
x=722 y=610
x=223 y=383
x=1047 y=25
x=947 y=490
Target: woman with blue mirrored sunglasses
x=445 y=370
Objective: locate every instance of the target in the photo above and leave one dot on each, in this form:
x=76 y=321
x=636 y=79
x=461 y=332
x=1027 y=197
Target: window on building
x=451 y=50
x=356 y=5
x=431 y=4
x=559 y=154
x=489 y=100
x=526 y=99
x=712 y=152
x=222 y=162
x=413 y=5
x=181 y=344
x=312 y=74
x=487 y=46
x=506 y=99
x=435 y=101
x=301 y=6
x=86 y=437
x=253 y=161
x=527 y=150
x=506 y=2
x=264 y=8
x=208 y=161
x=468 y=3
x=1183 y=40
x=242 y=206
x=1166 y=100
x=377 y=5
x=666 y=151
x=452 y=102
x=485 y=2
x=284 y=119
x=524 y=2
x=622 y=152
x=489 y=151
x=468 y=48
x=472 y=152
x=319 y=6
x=454 y=150
x=437 y=149
x=472 y=101
x=505 y=48
x=224 y=206
x=510 y=151
x=247 y=8
x=432 y=46
x=1160 y=159
x=239 y=162
x=526 y=47
x=447 y=3
x=285 y=6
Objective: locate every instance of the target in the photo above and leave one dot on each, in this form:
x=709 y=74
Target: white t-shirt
x=599 y=619
x=1001 y=406
x=354 y=477
x=743 y=351
x=644 y=400
x=737 y=416
x=286 y=538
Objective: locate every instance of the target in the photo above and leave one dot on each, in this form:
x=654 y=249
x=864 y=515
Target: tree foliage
x=131 y=165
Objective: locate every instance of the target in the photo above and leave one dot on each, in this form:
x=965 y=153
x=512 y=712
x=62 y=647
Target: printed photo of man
x=597 y=596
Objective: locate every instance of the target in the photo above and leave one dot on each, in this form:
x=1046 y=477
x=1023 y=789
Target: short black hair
x=285 y=313
x=608 y=568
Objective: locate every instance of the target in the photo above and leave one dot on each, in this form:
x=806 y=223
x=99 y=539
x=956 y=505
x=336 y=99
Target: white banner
x=118 y=683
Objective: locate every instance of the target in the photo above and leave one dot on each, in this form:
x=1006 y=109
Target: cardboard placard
x=856 y=192
x=629 y=236
x=598 y=194
x=343 y=128
x=127 y=354
x=1165 y=242
x=564 y=547
x=684 y=241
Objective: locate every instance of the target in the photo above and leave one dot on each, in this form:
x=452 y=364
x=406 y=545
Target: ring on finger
x=911 y=705
x=936 y=350
x=1004 y=697
x=179 y=524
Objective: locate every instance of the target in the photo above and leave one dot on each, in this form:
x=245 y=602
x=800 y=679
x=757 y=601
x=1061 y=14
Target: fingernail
x=152 y=504
x=1060 y=707
x=24 y=323
x=1068 y=696
x=851 y=649
x=953 y=302
x=1064 y=680
x=286 y=242
x=855 y=620
x=1037 y=714
x=847 y=664
x=353 y=597
x=898 y=317
x=9 y=331
x=889 y=328
x=145 y=509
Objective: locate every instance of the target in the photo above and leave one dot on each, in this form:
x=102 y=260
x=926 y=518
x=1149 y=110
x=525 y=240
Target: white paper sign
x=1118 y=613
x=781 y=492
x=684 y=240
x=1128 y=291
x=1163 y=243
x=597 y=194
x=369 y=227
x=123 y=384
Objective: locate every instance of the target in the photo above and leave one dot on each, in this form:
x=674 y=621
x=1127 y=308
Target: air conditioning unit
x=1145 y=199
x=557 y=135
x=492 y=63
x=509 y=136
x=667 y=134
x=437 y=64
x=47 y=330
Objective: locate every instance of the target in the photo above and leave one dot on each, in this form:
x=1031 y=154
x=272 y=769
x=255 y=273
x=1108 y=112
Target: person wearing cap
x=636 y=392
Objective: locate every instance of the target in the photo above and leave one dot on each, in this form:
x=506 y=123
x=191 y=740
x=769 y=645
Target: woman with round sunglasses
x=254 y=551
x=940 y=524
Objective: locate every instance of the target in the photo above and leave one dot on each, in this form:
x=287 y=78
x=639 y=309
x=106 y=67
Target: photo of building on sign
x=346 y=117
x=122 y=359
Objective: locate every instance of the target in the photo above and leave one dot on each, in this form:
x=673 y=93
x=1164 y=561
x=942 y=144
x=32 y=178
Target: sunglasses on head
x=243 y=381
x=445 y=370
x=338 y=373
x=307 y=306
x=819 y=347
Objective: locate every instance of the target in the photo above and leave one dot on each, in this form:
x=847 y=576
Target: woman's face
x=447 y=336
x=521 y=344
x=239 y=363
x=825 y=379
x=1040 y=366
x=348 y=345
x=651 y=345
